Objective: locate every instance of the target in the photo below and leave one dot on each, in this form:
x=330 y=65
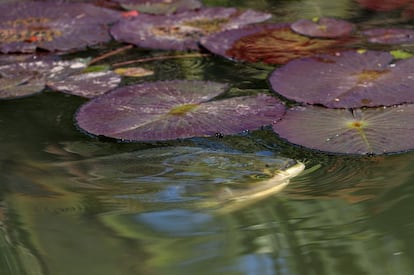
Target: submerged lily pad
x=323 y=27
x=358 y=131
x=160 y=6
x=175 y=109
x=182 y=31
x=26 y=78
x=347 y=80
x=389 y=35
x=270 y=43
x=53 y=26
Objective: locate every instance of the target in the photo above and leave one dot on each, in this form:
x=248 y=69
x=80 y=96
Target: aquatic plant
x=347 y=80
x=175 y=109
x=268 y=43
x=27 y=78
x=182 y=31
x=323 y=27
x=53 y=26
x=390 y=36
x=160 y=6
x=350 y=131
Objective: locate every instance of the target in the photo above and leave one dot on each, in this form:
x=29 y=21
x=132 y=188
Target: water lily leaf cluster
x=350 y=81
x=27 y=78
x=182 y=31
x=348 y=100
x=160 y=6
x=53 y=26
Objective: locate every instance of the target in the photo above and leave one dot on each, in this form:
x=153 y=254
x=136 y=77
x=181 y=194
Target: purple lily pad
x=324 y=27
x=27 y=78
x=389 y=36
x=175 y=109
x=359 y=131
x=160 y=6
x=269 y=43
x=347 y=80
x=182 y=31
x=87 y=85
x=53 y=26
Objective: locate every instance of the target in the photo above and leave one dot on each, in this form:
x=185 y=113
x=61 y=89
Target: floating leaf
x=19 y=86
x=323 y=27
x=133 y=72
x=357 y=131
x=175 y=109
x=270 y=43
x=96 y=68
x=182 y=31
x=389 y=35
x=53 y=26
x=398 y=54
x=383 y=5
x=26 y=78
x=347 y=80
x=160 y=6
x=87 y=85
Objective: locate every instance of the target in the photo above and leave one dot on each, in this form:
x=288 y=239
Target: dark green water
x=344 y=215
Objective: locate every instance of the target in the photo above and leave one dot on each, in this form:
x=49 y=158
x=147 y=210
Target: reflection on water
x=71 y=204
x=343 y=216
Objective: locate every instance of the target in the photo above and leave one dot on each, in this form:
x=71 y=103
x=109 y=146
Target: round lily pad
x=53 y=26
x=323 y=27
x=347 y=80
x=182 y=31
x=350 y=131
x=268 y=43
x=175 y=109
x=389 y=35
x=160 y=6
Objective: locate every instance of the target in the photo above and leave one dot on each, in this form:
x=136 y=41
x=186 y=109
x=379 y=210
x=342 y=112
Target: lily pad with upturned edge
x=347 y=80
x=175 y=109
x=350 y=131
x=182 y=31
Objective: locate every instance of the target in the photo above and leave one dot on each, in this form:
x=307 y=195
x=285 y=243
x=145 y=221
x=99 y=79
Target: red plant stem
x=164 y=57
x=106 y=55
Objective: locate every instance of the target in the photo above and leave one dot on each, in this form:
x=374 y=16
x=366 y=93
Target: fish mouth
x=294 y=169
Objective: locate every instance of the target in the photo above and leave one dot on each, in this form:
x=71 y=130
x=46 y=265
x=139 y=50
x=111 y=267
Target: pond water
x=61 y=213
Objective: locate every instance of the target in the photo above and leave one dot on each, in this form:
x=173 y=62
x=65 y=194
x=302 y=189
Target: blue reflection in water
x=176 y=222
